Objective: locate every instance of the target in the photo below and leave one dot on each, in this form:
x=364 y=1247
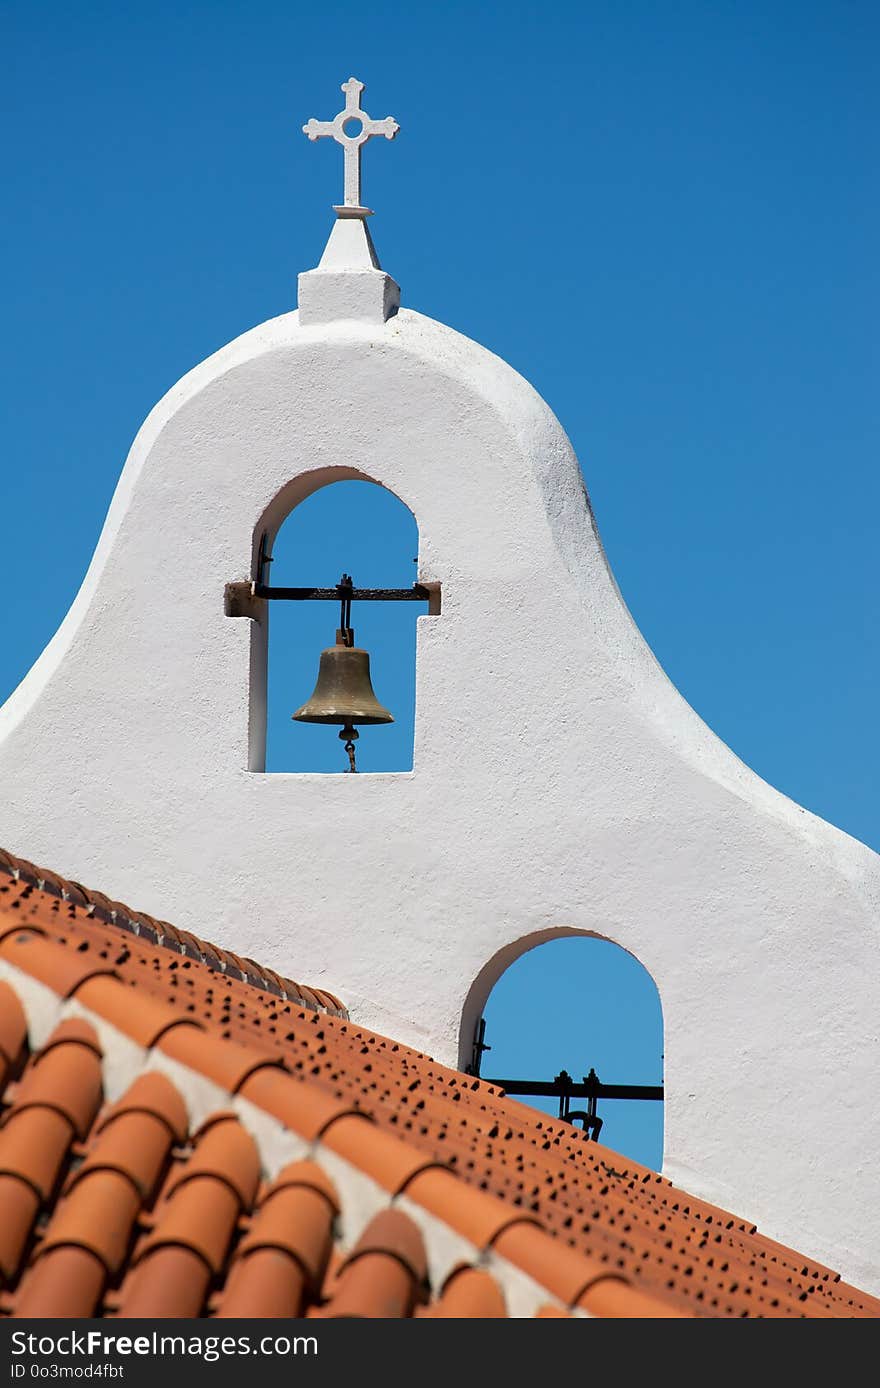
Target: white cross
x=360 y=129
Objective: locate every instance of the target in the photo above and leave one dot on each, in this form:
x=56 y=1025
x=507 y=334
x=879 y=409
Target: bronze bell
x=344 y=691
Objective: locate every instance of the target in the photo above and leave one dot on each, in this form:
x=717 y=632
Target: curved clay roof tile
x=49 y=962
x=77 y=893
x=392 y=1232
x=33 y=1145
x=300 y=1106
x=50 y=882
x=376 y=1286
x=142 y=1017
x=228 y=1152
x=19 y=1204
x=132 y=1144
x=308 y=1174
x=151 y=1093
x=74 y=1029
x=98 y=1215
x=67 y=1283
x=200 y=1215
x=65 y=1077
x=266 y=1283
x=613 y=1298
x=477 y=1215
x=172 y=1280
x=102 y=903
x=227 y=1063
x=25 y=869
x=384 y=1157
x=469 y=1293
x=13 y=1030
x=298 y=1220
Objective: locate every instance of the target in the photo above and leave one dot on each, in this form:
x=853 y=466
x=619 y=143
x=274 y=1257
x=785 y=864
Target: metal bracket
x=479 y=1048
x=564 y=1088
x=419 y=592
x=263 y=558
x=246 y=598
x=590 y=1120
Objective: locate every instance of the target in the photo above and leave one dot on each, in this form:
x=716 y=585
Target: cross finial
x=351 y=129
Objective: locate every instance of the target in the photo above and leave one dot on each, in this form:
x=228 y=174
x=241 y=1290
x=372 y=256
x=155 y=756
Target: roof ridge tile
x=95 y=903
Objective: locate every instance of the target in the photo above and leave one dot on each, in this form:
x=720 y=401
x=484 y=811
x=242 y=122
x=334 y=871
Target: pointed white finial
x=361 y=128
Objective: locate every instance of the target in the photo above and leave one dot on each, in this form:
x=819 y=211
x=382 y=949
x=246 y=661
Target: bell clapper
x=350 y=733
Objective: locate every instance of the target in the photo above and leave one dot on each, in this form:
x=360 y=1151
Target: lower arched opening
x=578 y=1017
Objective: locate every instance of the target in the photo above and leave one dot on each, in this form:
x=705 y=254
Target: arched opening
x=579 y=1003
x=357 y=527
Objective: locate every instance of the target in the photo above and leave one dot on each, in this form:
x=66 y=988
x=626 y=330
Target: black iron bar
x=579 y=1091
x=415 y=594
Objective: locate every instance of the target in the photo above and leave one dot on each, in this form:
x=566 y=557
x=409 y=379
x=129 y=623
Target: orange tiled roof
x=181 y=942
x=182 y=1139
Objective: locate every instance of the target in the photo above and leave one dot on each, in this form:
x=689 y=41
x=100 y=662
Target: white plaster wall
x=124 y=763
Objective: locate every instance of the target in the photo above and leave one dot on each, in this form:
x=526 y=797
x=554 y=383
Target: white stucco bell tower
x=129 y=755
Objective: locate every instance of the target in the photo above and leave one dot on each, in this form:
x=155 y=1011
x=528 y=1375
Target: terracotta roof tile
x=296 y=1218
x=611 y=1298
x=98 y=1214
x=267 y=1283
x=392 y=1232
x=172 y=1282
x=33 y=1145
x=563 y=1271
x=67 y=1282
x=150 y=1218
x=302 y=1107
x=143 y=1018
x=65 y=1078
x=13 y=1031
x=101 y=907
x=200 y=1215
x=227 y=1152
x=151 y=1094
x=133 y=1144
x=19 y=1204
x=376 y=1286
x=390 y=1162
x=859 y=1303
x=384 y=1274
x=226 y=1062
x=60 y=970
x=308 y=1175
x=74 y=1029
x=469 y=1293
x=474 y=1213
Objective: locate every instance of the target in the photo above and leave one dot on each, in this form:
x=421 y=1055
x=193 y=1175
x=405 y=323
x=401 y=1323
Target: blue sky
x=666 y=217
